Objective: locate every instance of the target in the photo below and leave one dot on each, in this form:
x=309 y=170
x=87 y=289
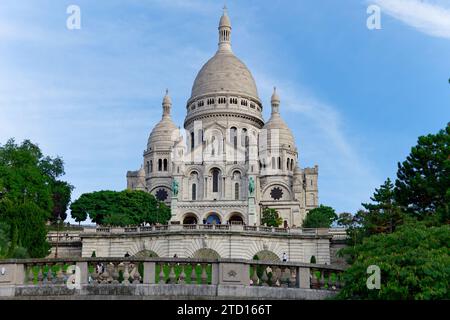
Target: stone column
x=149 y=272
x=84 y=272
x=304 y=278
x=215 y=273
x=174 y=208
x=251 y=211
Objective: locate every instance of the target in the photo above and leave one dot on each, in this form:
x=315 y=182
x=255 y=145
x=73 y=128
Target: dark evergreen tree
x=423 y=179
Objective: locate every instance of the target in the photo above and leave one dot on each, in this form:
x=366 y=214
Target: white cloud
x=429 y=17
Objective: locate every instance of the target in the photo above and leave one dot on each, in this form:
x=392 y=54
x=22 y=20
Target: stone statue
x=175 y=187
x=251 y=186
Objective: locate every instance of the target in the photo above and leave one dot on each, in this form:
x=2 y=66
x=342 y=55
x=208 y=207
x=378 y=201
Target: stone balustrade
x=164 y=277
x=209 y=227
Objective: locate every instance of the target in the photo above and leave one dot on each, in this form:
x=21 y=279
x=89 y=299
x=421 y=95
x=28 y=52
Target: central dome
x=224 y=73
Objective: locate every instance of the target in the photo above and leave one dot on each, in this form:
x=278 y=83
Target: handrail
x=210 y=227
x=47 y=277
x=172 y=260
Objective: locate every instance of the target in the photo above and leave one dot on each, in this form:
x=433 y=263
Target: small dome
x=165 y=133
x=286 y=137
x=275 y=98
x=225 y=21
x=162 y=135
x=275 y=122
x=224 y=72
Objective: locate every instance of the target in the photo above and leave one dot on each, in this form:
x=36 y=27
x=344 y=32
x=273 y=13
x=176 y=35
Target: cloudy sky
x=356 y=99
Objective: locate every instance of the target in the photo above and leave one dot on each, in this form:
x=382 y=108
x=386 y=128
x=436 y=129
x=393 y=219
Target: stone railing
x=167 y=277
x=210 y=227
x=63 y=237
x=338 y=233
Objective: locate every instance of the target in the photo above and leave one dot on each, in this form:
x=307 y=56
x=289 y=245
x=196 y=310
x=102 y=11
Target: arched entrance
x=190 y=219
x=146 y=254
x=213 y=218
x=266 y=255
x=206 y=254
x=236 y=219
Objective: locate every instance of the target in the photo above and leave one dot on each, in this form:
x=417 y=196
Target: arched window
x=215 y=181
x=279 y=162
x=236 y=191
x=192 y=140
x=233 y=137
x=148 y=167
x=292 y=164
x=243 y=137
x=194 y=191
x=288 y=164
x=160 y=165
x=213 y=219
x=151 y=165
x=165 y=164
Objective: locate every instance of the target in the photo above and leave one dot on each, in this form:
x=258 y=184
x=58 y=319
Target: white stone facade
x=227 y=145
x=233 y=241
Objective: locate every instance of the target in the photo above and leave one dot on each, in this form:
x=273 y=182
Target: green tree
x=321 y=217
x=345 y=219
x=271 y=218
x=120 y=208
x=423 y=179
x=414 y=262
x=61 y=193
x=27 y=193
x=4 y=239
x=28 y=229
x=383 y=214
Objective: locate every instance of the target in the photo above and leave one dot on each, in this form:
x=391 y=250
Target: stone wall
x=227 y=244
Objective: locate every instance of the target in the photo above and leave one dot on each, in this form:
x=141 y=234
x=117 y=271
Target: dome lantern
x=167 y=104
x=275 y=101
x=225 y=32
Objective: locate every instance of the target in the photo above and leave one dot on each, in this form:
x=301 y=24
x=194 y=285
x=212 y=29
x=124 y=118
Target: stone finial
x=167 y=104
x=275 y=101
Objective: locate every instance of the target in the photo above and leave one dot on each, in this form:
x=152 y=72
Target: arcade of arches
x=213 y=218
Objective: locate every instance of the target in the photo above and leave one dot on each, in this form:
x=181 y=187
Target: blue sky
x=356 y=99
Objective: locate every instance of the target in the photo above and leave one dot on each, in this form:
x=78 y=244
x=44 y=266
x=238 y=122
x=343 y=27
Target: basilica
x=229 y=164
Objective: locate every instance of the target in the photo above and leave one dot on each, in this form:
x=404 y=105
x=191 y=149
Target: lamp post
x=57 y=235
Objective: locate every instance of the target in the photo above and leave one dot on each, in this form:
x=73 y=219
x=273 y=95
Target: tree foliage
x=383 y=215
x=4 y=239
x=423 y=179
x=321 y=217
x=29 y=189
x=405 y=230
x=271 y=218
x=61 y=193
x=120 y=208
x=414 y=262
